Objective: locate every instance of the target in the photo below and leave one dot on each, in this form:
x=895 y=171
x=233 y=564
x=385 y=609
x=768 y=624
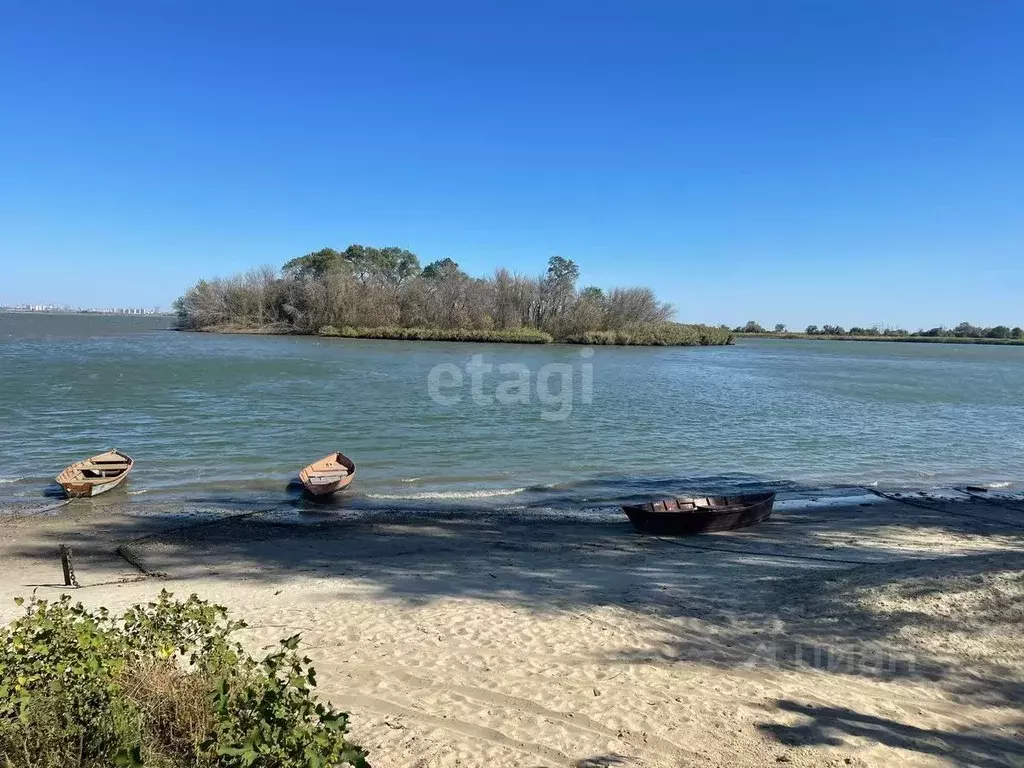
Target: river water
x=211 y=417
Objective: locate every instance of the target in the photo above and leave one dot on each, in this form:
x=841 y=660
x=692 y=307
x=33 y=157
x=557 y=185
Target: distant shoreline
x=903 y=339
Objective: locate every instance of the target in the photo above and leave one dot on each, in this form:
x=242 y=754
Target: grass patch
x=516 y=336
x=273 y=329
x=650 y=335
x=658 y=335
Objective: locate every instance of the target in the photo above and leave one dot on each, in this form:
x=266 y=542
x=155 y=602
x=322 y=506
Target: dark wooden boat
x=328 y=475
x=700 y=514
x=96 y=475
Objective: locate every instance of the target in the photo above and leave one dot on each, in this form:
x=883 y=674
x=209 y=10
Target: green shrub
x=161 y=686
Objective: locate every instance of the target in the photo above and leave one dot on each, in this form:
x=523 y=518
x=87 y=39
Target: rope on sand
x=125 y=552
x=995 y=502
x=34 y=512
x=922 y=505
x=201 y=523
x=132 y=559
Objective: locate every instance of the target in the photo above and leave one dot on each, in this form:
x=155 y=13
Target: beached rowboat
x=700 y=514
x=96 y=475
x=328 y=475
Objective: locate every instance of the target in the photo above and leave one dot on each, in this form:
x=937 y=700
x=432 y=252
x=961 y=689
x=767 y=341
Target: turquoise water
x=211 y=417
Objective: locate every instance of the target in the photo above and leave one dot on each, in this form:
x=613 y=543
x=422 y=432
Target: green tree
x=443 y=269
x=780 y=328
x=557 y=292
x=812 y=330
x=562 y=272
x=968 y=331
x=1017 y=333
x=313 y=266
x=397 y=265
x=392 y=265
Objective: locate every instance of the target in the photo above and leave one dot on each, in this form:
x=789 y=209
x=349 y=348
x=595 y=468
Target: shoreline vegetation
x=964 y=333
x=383 y=293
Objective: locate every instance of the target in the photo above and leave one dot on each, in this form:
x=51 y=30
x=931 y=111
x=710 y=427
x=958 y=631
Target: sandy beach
x=864 y=632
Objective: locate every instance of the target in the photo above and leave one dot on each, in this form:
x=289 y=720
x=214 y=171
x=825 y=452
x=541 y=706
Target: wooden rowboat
x=701 y=514
x=96 y=475
x=328 y=475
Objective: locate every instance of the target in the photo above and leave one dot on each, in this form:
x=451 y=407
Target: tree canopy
x=368 y=287
x=391 y=265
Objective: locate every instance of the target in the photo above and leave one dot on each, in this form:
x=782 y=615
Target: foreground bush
x=163 y=686
x=516 y=336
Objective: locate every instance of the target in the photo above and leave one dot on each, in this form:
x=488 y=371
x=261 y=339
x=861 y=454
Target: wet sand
x=866 y=632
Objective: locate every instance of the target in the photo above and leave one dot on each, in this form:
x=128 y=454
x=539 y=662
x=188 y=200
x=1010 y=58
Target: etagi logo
x=553 y=384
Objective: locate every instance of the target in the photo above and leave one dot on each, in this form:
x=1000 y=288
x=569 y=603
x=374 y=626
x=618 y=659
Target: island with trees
x=964 y=333
x=383 y=293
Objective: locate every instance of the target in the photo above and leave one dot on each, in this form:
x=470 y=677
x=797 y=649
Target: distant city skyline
x=42 y=307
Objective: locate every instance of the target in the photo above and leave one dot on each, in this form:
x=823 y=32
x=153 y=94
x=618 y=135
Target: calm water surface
x=211 y=417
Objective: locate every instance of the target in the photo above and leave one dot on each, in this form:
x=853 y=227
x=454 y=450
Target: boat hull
x=326 y=489
x=322 y=478
x=86 y=490
x=688 y=516
x=96 y=475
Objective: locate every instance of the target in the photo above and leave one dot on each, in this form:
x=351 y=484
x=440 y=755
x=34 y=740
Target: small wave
x=136 y=493
x=425 y=495
x=1000 y=485
x=800 y=505
x=9 y=480
x=409 y=479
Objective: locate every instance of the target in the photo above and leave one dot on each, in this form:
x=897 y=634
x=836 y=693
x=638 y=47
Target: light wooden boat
x=96 y=475
x=328 y=475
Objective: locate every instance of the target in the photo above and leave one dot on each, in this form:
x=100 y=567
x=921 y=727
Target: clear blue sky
x=816 y=161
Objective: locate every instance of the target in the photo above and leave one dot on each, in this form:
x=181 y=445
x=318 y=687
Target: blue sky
x=818 y=161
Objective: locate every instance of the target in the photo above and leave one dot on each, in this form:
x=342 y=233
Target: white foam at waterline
x=409 y=479
x=938 y=494
x=427 y=495
x=1005 y=484
x=797 y=505
x=136 y=493
x=9 y=480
